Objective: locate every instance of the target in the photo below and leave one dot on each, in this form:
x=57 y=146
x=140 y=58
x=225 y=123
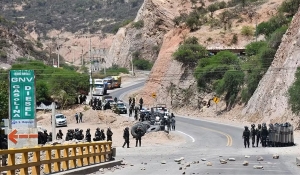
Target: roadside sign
x=22 y=99
x=20 y=138
x=216 y=99
x=153 y=95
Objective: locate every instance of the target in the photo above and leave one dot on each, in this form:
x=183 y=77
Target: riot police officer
x=109 y=134
x=59 y=135
x=88 y=135
x=126 y=137
x=139 y=134
x=97 y=135
x=264 y=135
x=258 y=132
x=102 y=134
x=246 y=136
x=253 y=134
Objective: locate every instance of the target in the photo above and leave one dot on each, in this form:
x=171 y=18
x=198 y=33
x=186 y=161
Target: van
x=116 y=81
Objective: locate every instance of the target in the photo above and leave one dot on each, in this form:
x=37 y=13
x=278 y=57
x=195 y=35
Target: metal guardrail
x=55 y=158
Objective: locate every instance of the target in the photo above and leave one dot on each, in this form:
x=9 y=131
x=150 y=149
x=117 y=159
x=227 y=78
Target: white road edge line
x=193 y=140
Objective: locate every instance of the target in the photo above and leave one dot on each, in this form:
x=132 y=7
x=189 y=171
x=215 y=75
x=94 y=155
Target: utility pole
x=81 y=55
x=53 y=120
x=57 y=51
x=91 y=95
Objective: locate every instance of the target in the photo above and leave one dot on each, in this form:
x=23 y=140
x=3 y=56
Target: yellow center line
x=229 y=138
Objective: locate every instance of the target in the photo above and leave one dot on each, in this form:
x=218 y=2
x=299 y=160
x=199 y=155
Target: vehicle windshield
x=60 y=116
x=98 y=85
x=120 y=105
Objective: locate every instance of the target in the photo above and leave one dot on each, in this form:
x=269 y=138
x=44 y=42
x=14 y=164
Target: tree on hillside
x=212 y=8
x=4 y=100
x=190 y=52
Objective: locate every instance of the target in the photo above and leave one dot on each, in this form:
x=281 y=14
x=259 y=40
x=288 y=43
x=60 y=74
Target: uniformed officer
x=246 y=136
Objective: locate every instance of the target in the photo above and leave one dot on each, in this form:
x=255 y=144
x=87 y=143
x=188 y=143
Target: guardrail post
x=11 y=161
x=86 y=160
x=24 y=171
x=108 y=148
x=92 y=151
x=80 y=160
x=102 y=146
x=47 y=166
x=56 y=165
x=97 y=150
x=65 y=164
x=72 y=161
x=36 y=158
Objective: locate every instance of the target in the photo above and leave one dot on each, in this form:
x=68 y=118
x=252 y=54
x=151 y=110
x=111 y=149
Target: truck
x=99 y=87
x=109 y=81
x=116 y=81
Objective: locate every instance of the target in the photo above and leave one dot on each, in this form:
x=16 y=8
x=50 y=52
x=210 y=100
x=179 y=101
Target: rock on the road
x=258 y=167
x=246 y=156
x=203 y=159
x=208 y=164
x=245 y=163
x=163 y=162
x=231 y=159
x=275 y=156
x=260 y=158
x=222 y=161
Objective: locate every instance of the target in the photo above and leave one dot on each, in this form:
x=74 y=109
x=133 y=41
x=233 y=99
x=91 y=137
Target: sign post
x=216 y=100
x=22 y=112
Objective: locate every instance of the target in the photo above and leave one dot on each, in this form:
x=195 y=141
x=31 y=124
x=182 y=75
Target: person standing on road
x=141 y=103
x=102 y=134
x=253 y=134
x=258 y=134
x=59 y=135
x=80 y=117
x=126 y=137
x=133 y=101
x=76 y=117
x=139 y=133
x=173 y=123
x=109 y=134
x=130 y=100
x=116 y=99
x=246 y=136
x=264 y=135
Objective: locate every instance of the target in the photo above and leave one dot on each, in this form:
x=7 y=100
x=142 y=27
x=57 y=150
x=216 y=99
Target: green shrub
x=234 y=39
x=247 y=31
x=254 y=47
x=290 y=6
x=142 y=64
x=138 y=25
x=189 y=54
x=275 y=38
x=212 y=8
x=266 y=28
x=293 y=94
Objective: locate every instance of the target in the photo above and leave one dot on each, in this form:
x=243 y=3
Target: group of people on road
x=78 y=117
x=259 y=134
x=138 y=137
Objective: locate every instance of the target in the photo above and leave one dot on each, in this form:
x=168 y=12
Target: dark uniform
x=88 y=135
x=109 y=134
x=141 y=103
x=102 y=134
x=126 y=137
x=258 y=132
x=130 y=100
x=253 y=134
x=97 y=135
x=139 y=133
x=264 y=135
x=59 y=135
x=246 y=136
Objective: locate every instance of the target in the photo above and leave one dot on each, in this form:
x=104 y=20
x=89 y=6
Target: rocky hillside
x=156 y=17
x=270 y=98
x=14 y=44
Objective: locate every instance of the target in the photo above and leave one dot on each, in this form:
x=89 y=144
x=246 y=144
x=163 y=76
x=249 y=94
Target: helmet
x=59 y=130
x=98 y=129
x=88 y=129
x=246 y=127
x=76 y=129
x=81 y=130
x=108 y=128
x=259 y=125
x=102 y=130
x=127 y=128
x=253 y=125
x=50 y=133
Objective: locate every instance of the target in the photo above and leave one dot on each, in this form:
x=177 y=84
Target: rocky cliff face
x=270 y=102
x=157 y=16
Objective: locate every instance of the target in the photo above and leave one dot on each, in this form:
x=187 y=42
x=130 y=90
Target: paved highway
x=212 y=141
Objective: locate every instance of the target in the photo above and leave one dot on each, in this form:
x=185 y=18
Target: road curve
x=204 y=139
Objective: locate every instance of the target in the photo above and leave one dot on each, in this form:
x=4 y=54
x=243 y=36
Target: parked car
x=121 y=107
x=60 y=120
x=110 y=101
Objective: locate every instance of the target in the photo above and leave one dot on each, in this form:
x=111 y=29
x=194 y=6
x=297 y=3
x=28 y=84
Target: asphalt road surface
x=208 y=140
